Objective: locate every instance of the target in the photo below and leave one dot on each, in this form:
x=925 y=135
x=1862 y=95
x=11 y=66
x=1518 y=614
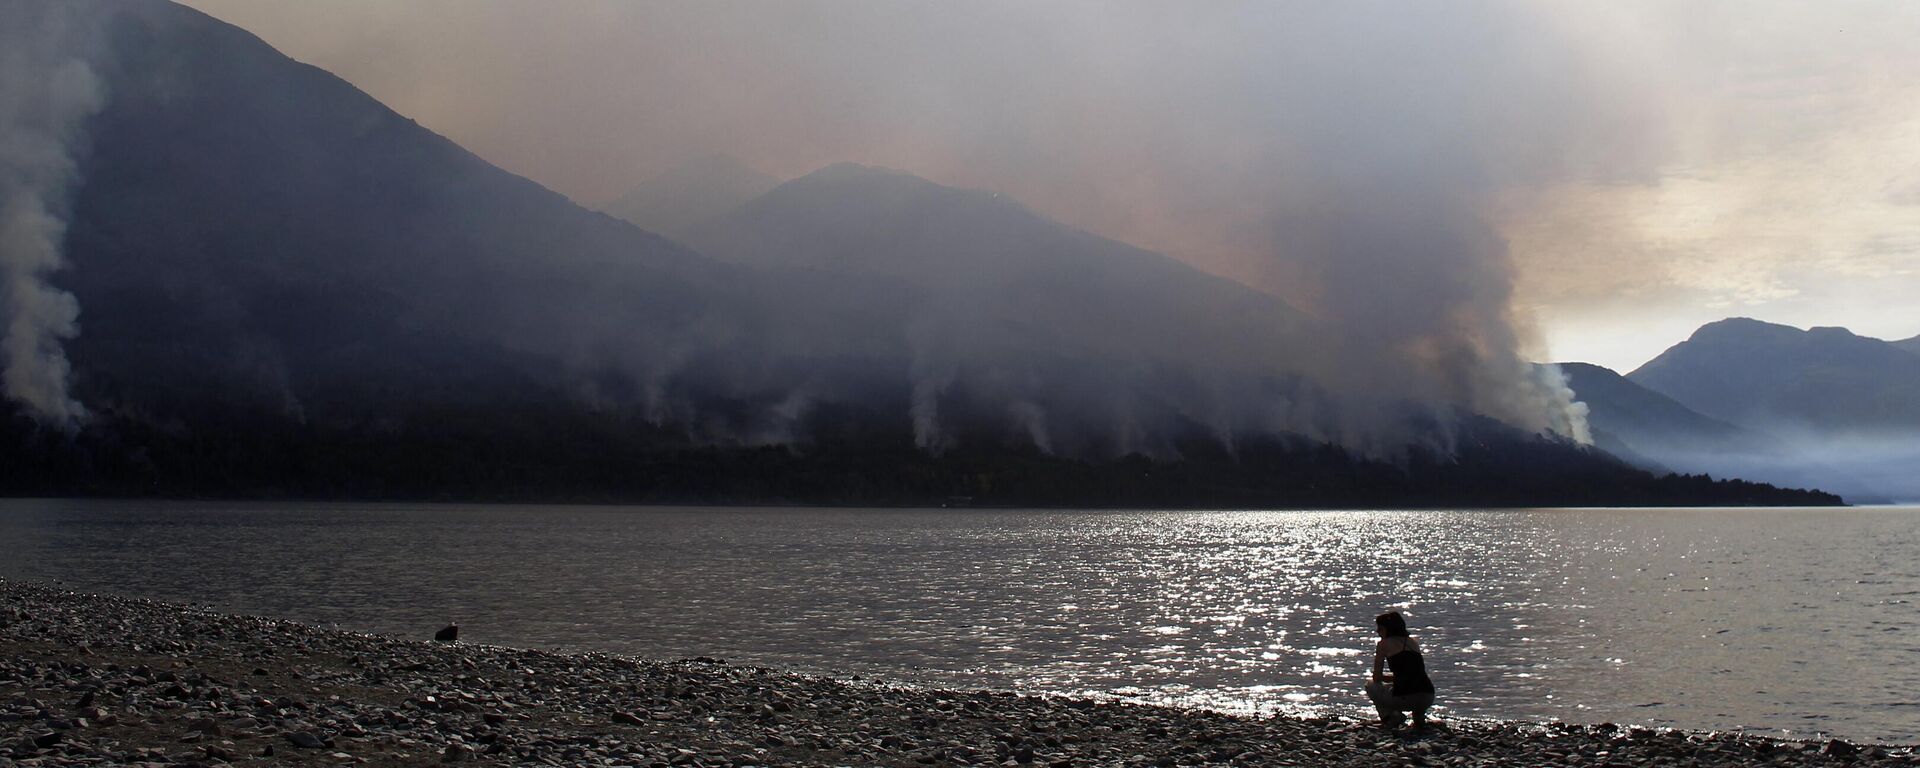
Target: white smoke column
x=1032 y=418
x=1569 y=415
x=932 y=371
x=927 y=434
x=47 y=91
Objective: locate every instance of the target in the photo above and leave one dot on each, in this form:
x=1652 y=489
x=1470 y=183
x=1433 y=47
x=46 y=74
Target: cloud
x=1790 y=131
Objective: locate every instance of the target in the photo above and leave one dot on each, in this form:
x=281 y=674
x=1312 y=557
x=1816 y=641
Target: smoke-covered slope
x=257 y=232
x=991 y=253
x=252 y=229
x=1651 y=424
x=1656 y=432
x=286 y=289
x=1087 y=343
x=687 y=195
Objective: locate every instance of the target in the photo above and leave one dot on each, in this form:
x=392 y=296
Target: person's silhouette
x=1406 y=687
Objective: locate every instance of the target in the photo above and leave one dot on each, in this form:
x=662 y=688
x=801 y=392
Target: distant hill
x=1783 y=379
x=1650 y=423
x=1910 y=345
x=689 y=194
x=1843 y=409
x=1653 y=431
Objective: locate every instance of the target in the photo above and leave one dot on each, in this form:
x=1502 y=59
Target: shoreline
x=89 y=679
x=877 y=507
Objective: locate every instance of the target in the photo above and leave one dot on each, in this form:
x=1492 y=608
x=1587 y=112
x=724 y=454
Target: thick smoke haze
x=47 y=90
x=1652 y=165
x=1401 y=175
x=1346 y=158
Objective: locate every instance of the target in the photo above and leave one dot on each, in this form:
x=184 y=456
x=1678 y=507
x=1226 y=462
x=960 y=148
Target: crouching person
x=1400 y=682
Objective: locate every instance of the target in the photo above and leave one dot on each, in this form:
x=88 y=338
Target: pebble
x=305 y=740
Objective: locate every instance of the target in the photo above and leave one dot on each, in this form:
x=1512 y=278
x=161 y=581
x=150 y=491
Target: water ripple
x=1718 y=619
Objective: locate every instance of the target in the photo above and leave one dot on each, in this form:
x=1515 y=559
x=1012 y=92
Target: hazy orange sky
x=1651 y=166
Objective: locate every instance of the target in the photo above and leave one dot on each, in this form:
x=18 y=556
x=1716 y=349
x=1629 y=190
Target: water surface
x=1794 y=622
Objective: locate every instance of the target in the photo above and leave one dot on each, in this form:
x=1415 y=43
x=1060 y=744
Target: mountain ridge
x=256 y=230
x=1910 y=345
x=1843 y=409
x=857 y=218
x=1001 y=293
x=680 y=198
x=1779 y=378
x=288 y=290
x=1657 y=424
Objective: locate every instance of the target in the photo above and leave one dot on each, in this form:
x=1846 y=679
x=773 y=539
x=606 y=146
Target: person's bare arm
x=1387 y=646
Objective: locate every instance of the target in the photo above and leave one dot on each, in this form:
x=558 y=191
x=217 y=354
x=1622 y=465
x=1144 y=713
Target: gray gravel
x=101 y=680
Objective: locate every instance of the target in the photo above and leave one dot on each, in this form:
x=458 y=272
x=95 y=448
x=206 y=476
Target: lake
x=1782 y=621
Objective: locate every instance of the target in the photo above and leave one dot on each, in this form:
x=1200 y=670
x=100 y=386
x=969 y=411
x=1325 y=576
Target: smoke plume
x=46 y=93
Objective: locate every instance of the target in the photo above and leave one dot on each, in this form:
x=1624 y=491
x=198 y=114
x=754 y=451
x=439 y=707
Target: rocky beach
x=103 y=680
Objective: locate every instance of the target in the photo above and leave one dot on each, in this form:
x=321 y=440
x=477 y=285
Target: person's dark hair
x=1394 y=623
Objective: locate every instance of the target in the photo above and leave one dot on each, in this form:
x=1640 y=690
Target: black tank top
x=1409 y=673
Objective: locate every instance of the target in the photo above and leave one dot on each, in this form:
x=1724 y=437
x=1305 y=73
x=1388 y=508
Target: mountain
x=1655 y=432
x=1783 y=379
x=1651 y=424
x=255 y=231
x=286 y=289
x=1843 y=409
x=686 y=195
x=1092 y=340
x=1910 y=345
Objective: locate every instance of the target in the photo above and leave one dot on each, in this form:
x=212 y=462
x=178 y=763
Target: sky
x=1621 y=172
